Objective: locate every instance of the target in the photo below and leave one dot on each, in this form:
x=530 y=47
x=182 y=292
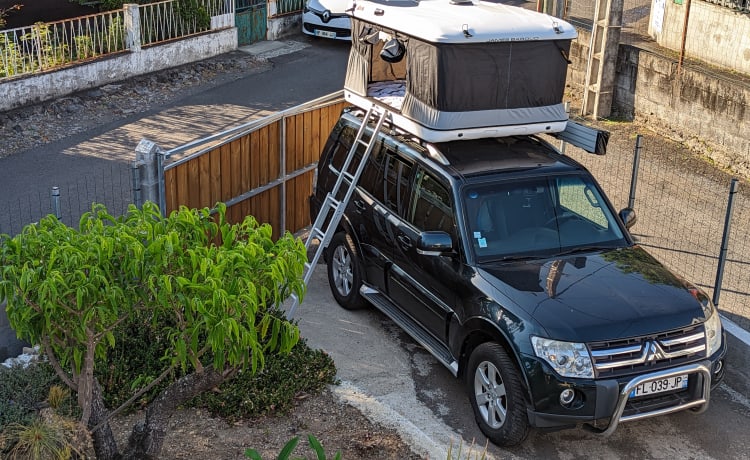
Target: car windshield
x=538 y=217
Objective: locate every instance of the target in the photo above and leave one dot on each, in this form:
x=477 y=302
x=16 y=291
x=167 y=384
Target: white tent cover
x=465 y=66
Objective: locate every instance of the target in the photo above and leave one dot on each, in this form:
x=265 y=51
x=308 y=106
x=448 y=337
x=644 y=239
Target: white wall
x=715 y=34
x=55 y=83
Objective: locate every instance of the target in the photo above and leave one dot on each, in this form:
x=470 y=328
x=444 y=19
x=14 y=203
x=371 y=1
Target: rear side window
x=372 y=176
x=397 y=175
x=432 y=205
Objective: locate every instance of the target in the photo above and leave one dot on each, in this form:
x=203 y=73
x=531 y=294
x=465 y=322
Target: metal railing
x=45 y=46
x=170 y=19
x=289 y=6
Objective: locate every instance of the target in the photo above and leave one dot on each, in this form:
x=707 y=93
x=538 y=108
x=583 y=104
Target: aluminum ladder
x=332 y=209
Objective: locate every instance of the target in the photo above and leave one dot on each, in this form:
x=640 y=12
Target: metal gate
x=251 y=21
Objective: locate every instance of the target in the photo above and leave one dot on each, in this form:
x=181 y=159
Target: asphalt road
x=383 y=372
x=80 y=163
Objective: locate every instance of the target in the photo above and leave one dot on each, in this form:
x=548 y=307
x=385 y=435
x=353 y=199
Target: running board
x=417 y=332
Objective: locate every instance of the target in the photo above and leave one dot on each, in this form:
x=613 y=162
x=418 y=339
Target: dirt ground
x=195 y=435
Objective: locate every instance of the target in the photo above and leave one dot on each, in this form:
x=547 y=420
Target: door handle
x=404 y=240
x=360 y=206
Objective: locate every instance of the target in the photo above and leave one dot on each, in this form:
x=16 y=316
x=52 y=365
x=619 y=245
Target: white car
x=327 y=18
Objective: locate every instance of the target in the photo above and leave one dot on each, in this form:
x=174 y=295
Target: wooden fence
x=264 y=169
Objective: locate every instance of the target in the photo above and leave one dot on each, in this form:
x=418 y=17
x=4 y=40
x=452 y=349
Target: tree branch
x=137 y=395
x=56 y=364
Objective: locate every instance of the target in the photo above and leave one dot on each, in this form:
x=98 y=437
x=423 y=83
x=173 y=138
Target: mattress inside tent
x=388 y=92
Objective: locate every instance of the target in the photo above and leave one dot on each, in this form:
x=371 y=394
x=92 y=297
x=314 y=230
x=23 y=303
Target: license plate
x=660 y=386
x=325 y=33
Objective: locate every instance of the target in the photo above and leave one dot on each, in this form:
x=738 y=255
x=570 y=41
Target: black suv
x=505 y=260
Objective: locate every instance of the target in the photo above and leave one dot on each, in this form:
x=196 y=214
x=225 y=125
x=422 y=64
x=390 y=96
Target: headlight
x=713 y=331
x=568 y=359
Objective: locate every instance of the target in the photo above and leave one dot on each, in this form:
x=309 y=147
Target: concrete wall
x=280 y=26
x=715 y=34
x=702 y=108
x=48 y=85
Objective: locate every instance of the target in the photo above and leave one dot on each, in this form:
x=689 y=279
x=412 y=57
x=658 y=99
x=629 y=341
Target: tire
x=345 y=272
x=496 y=395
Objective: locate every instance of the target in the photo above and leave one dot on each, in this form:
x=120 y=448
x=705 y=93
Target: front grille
x=645 y=354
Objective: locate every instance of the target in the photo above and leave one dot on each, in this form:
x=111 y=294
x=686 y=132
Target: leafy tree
x=213 y=290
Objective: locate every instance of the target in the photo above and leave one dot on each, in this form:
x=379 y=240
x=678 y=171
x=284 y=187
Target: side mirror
x=628 y=217
x=434 y=243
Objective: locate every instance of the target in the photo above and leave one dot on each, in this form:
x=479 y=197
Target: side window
x=578 y=198
x=432 y=205
x=396 y=185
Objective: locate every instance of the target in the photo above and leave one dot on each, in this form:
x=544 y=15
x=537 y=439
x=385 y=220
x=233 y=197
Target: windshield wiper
x=511 y=258
x=581 y=249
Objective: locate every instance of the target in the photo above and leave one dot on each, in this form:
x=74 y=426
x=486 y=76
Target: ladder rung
x=332 y=202
x=318 y=233
x=348 y=176
x=307 y=265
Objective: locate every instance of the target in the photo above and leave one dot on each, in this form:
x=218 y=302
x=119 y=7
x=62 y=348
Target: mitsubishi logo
x=326 y=16
x=653 y=352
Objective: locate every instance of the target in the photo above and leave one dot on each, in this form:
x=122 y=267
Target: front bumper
x=312 y=24
x=604 y=404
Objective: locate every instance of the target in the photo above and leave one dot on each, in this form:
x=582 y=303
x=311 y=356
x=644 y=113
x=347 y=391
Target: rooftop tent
x=465 y=70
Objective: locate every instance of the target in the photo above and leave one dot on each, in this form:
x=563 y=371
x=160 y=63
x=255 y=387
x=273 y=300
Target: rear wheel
x=496 y=395
x=345 y=272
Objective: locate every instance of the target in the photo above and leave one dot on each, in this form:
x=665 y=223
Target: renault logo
x=326 y=16
x=653 y=352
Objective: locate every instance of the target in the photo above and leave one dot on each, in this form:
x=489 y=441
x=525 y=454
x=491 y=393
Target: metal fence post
x=56 y=202
x=132 y=25
x=136 y=180
x=282 y=150
x=725 y=241
x=634 y=176
x=149 y=160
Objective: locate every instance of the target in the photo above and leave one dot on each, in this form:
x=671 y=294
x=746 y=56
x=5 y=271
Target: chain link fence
x=112 y=186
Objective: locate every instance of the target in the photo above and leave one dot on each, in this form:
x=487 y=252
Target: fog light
x=567 y=396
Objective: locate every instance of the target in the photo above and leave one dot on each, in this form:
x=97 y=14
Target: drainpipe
x=684 y=36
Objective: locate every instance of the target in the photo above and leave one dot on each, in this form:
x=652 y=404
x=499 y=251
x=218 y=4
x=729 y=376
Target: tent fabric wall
x=453 y=86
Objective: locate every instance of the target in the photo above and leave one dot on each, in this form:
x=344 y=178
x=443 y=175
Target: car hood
x=608 y=295
x=334 y=6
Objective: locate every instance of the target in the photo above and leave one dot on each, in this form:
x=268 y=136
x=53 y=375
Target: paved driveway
x=394 y=380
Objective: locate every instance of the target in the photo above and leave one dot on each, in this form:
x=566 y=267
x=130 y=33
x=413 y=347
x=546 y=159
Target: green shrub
x=274 y=388
x=133 y=362
x=21 y=392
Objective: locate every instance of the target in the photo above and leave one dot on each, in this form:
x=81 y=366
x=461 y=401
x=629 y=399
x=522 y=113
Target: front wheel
x=345 y=272
x=496 y=395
